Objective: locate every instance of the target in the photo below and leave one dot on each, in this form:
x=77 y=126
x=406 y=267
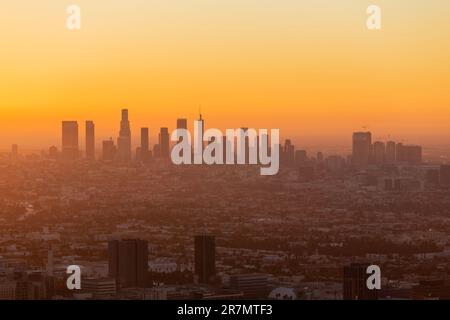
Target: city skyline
x=90 y=140
x=310 y=72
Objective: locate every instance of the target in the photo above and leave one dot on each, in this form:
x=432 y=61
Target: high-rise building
x=128 y=262
x=145 y=142
x=390 y=152
x=143 y=152
x=362 y=143
x=164 y=143
x=108 y=150
x=124 y=139
x=90 y=140
x=355 y=283
x=379 y=151
x=205 y=258
x=70 y=140
x=202 y=125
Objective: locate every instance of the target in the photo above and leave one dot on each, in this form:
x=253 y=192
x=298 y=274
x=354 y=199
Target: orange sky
x=310 y=68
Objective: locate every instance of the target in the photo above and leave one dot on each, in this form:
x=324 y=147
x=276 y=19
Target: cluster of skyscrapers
x=364 y=152
x=121 y=150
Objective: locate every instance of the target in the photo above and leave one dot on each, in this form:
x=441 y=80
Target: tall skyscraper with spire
x=124 y=139
x=198 y=149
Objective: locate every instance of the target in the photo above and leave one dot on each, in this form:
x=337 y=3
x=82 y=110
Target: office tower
x=145 y=142
x=205 y=258
x=288 y=153
x=108 y=150
x=164 y=142
x=124 y=139
x=355 y=283
x=69 y=140
x=399 y=157
x=181 y=123
x=379 y=151
x=252 y=285
x=444 y=175
x=301 y=156
x=390 y=152
x=128 y=262
x=144 y=150
x=90 y=140
x=362 y=142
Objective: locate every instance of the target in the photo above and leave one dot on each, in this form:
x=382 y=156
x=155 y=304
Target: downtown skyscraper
x=362 y=144
x=124 y=139
x=90 y=140
x=69 y=140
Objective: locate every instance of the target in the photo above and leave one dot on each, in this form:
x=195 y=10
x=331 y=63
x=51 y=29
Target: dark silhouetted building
x=128 y=262
x=90 y=140
x=362 y=143
x=70 y=140
x=390 y=152
x=108 y=150
x=205 y=258
x=355 y=283
x=164 y=143
x=379 y=152
x=143 y=153
x=288 y=154
x=124 y=139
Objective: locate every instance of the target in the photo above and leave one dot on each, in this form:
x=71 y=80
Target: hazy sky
x=310 y=68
